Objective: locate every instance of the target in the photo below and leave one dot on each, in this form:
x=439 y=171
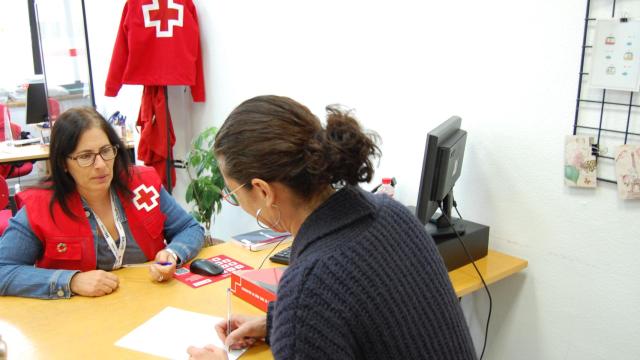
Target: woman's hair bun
x=349 y=149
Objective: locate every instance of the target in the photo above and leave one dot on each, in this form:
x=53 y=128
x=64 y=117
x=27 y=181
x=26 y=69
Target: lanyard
x=118 y=252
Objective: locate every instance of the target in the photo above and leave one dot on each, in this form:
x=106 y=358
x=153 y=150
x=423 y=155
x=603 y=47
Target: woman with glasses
x=94 y=213
x=365 y=281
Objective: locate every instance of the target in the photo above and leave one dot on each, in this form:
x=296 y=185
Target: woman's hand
x=246 y=330
x=162 y=273
x=209 y=352
x=93 y=283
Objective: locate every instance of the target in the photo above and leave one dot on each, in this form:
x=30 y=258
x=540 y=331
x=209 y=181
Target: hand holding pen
x=155 y=274
x=242 y=331
x=247 y=330
x=159 y=272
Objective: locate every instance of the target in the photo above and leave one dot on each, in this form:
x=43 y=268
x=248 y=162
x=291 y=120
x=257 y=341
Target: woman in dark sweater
x=365 y=280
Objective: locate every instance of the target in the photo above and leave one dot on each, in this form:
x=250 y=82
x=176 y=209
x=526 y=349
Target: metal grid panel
x=612 y=117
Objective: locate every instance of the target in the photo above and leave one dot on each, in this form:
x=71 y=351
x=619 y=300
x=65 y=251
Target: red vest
x=69 y=244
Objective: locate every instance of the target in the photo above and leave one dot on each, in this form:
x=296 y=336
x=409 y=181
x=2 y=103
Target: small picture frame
x=627 y=158
x=579 y=162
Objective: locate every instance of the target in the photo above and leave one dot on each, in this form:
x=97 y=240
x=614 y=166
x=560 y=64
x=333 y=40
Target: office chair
x=54 y=109
x=5 y=214
x=9 y=171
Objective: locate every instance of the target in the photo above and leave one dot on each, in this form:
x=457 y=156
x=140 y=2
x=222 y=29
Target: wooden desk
x=23 y=153
x=33 y=152
x=87 y=328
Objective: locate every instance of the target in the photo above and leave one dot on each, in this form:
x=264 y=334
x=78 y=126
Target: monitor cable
x=464 y=247
x=270 y=252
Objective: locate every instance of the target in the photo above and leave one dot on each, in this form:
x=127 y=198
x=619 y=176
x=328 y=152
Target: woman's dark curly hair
x=275 y=138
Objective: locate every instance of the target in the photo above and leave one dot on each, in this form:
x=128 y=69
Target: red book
x=257 y=287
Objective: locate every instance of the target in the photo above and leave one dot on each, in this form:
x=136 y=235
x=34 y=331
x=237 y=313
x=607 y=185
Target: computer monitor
x=37 y=103
x=37 y=95
x=441 y=167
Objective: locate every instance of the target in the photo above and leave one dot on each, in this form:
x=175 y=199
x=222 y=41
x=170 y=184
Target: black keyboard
x=282 y=256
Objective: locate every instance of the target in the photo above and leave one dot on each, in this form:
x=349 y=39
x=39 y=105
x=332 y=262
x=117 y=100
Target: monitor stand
x=475 y=237
x=442 y=230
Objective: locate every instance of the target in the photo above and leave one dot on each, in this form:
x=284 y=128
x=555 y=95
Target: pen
x=146 y=264
x=228 y=311
x=228 y=314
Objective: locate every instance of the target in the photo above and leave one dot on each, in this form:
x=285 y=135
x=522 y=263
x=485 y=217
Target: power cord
x=270 y=252
x=486 y=288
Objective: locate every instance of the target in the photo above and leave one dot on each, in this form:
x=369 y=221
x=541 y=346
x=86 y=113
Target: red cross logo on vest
x=169 y=13
x=146 y=197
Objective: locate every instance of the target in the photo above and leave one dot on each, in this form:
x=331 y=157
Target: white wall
x=510 y=70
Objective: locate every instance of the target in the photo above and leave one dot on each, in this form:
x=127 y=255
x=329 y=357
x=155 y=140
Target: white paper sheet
x=187 y=328
x=616 y=55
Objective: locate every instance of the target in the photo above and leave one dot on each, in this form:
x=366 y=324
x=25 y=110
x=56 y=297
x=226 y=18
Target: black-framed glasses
x=88 y=158
x=230 y=196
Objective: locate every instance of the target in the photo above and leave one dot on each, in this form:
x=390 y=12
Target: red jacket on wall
x=158 y=43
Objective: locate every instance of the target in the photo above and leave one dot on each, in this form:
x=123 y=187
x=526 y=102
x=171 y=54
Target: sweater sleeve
x=270 y=309
x=118 y=58
x=197 y=90
x=311 y=320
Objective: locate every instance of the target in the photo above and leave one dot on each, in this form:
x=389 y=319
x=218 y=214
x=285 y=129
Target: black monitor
x=37 y=103
x=37 y=95
x=441 y=167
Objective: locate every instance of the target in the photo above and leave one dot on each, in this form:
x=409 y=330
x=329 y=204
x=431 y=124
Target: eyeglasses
x=230 y=196
x=88 y=158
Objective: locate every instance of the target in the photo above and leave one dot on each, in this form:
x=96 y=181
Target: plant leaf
x=204 y=191
x=189 y=195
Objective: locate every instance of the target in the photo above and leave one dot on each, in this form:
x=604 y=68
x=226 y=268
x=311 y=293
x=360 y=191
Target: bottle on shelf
x=386 y=187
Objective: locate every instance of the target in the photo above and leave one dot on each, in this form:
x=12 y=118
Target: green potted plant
x=206 y=182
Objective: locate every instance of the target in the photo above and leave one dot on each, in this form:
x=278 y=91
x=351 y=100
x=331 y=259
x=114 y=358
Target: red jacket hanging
x=154 y=148
x=158 y=43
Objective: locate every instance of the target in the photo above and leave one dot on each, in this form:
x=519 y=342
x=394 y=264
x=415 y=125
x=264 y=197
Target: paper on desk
x=170 y=332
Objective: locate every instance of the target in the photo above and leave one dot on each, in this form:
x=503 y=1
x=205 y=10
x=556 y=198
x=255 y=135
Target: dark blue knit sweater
x=366 y=282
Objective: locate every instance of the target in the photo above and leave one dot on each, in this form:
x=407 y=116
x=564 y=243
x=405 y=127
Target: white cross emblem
x=155 y=6
x=146 y=197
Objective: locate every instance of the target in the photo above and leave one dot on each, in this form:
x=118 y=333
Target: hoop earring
x=262 y=225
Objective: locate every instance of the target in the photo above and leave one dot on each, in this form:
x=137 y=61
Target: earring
x=262 y=225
